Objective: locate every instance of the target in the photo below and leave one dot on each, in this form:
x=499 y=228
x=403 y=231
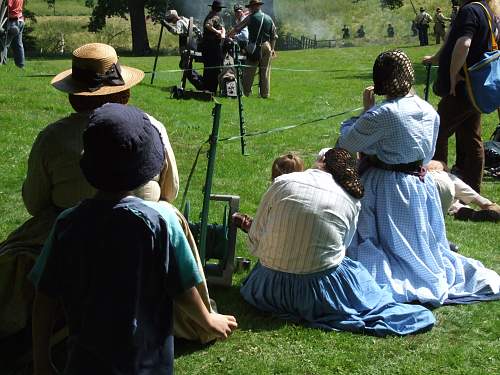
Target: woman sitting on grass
x=302 y=227
x=401 y=236
x=54 y=181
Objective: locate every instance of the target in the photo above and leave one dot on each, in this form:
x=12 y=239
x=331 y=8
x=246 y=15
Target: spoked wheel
x=3 y=31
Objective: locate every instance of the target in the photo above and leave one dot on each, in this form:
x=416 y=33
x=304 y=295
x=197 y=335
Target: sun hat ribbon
x=94 y=81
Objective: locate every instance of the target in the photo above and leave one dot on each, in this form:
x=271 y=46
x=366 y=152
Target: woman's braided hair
x=341 y=165
x=393 y=74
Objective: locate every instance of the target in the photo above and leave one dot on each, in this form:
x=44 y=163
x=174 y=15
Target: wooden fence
x=289 y=42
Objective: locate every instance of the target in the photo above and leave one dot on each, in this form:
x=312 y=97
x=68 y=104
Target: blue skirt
x=344 y=298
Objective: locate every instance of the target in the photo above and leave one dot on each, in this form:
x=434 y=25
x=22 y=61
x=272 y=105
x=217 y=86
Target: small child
x=116 y=262
x=284 y=164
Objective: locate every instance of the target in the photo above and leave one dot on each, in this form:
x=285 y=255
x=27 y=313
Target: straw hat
x=96 y=71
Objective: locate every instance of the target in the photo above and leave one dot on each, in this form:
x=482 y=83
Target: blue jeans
x=14 y=39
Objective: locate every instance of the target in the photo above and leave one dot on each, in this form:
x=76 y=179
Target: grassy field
x=465 y=339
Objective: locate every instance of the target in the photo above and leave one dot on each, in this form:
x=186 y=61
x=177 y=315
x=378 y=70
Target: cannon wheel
x=3 y=32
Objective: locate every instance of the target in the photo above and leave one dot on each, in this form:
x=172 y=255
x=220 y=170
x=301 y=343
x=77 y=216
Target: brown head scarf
x=393 y=74
x=340 y=164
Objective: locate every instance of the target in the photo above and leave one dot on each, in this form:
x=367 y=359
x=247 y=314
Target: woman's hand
x=432 y=60
x=368 y=98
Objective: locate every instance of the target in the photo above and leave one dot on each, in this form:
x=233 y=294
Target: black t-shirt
x=471 y=21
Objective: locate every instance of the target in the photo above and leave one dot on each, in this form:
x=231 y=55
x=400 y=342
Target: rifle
x=414 y=9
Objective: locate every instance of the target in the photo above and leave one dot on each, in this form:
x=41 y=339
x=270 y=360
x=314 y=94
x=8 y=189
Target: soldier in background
x=360 y=33
x=178 y=25
x=439 y=25
x=422 y=20
x=390 y=31
x=213 y=35
x=239 y=15
x=345 y=32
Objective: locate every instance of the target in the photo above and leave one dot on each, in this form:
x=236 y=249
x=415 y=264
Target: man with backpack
x=422 y=20
x=260 y=48
x=469 y=38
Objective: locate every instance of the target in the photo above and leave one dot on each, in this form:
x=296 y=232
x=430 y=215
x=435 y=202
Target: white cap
x=322 y=153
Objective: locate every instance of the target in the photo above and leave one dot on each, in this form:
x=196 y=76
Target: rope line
x=254 y=134
x=41 y=75
x=288 y=127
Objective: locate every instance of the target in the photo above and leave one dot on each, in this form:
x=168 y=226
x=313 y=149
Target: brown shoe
x=242 y=221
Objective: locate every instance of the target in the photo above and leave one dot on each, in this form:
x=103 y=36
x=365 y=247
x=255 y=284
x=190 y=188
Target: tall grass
x=465 y=339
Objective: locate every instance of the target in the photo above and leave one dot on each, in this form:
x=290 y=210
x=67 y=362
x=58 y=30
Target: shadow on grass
x=230 y=302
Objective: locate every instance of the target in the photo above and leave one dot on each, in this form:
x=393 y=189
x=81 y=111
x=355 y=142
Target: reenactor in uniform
x=178 y=25
x=423 y=19
x=260 y=48
x=360 y=33
x=390 y=31
x=213 y=35
x=345 y=32
x=439 y=25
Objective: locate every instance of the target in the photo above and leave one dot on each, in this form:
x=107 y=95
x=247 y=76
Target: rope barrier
x=254 y=134
x=42 y=75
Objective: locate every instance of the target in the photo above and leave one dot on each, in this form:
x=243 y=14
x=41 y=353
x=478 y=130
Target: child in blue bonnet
x=116 y=262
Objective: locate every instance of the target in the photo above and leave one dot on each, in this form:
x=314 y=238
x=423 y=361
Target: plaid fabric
x=401 y=236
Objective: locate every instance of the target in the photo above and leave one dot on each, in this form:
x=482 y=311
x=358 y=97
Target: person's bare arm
x=44 y=310
x=221 y=325
x=458 y=58
x=238 y=27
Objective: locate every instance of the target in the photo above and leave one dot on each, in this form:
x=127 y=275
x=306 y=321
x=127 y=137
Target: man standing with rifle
x=423 y=19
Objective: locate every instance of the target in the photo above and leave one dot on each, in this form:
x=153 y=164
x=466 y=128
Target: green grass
x=465 y=339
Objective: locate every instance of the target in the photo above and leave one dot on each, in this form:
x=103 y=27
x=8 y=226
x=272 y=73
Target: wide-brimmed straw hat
x=217 y=4
x=96 y=71
x=254 y=2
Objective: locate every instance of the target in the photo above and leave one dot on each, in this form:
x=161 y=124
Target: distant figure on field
x=440 y=25
x=390 y=31
x=12 y=33
x=345 y=32
x=239 y=15
x=360 y=33
x=178 y=25
x=213 y=35
x=422 y=20
x=260 y=49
